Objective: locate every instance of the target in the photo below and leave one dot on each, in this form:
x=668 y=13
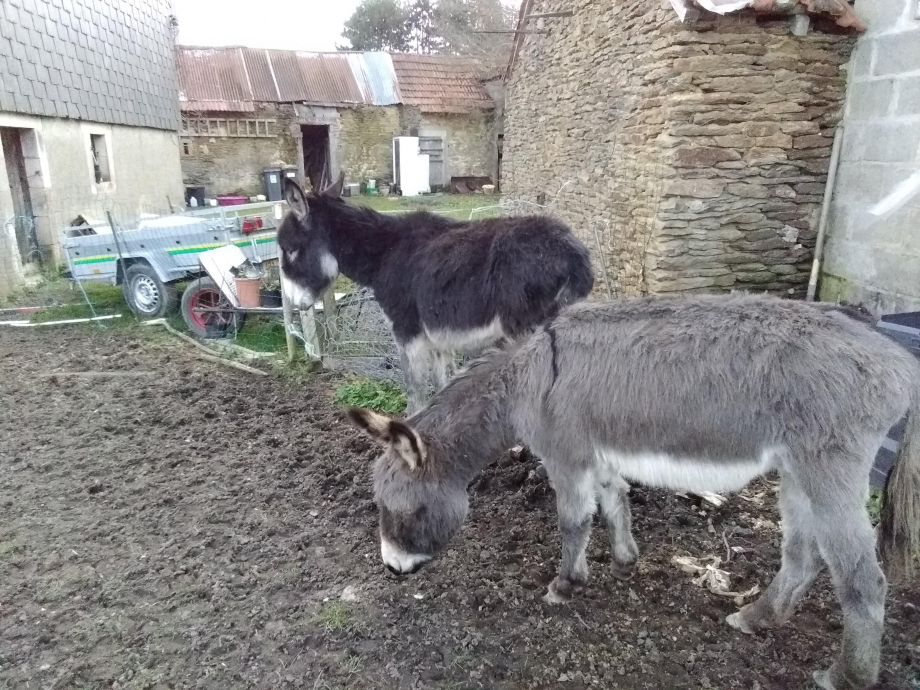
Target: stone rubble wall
x=696 y=153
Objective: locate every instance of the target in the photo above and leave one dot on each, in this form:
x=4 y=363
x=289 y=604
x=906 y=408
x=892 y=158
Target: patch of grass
x=262 y=334
x=379 y=395
x=352 y=664
x=456 y=206
x=106 y=299
x=875 y=503
x=10 y=548
x=334 y=616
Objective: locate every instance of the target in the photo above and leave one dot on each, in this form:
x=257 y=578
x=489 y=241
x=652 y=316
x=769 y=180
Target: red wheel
x=201 y=296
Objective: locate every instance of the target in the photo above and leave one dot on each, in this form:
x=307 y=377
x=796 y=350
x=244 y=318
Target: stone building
x=689 y=155
x=246 y=109
x=89 y=115
x=872 y=259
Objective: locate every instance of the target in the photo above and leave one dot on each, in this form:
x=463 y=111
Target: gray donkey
x=688 y=394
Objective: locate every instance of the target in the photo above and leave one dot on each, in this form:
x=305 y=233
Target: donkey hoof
x=736 y=620
x=561 y=590
x=623 y=572
x=823 y=680
x=552 y=597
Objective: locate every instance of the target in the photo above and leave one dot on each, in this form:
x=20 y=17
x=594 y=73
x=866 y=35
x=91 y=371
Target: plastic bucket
x=247 y=291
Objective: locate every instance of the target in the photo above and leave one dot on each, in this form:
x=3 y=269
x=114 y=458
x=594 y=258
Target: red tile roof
x=440 y=83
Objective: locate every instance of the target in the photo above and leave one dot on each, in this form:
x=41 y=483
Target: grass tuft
x=380 y=395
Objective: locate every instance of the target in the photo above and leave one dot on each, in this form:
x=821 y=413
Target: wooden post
x=329 y=313
x=288 y=311
x=311 y=342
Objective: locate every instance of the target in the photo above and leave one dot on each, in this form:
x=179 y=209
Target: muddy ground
x=196 y=528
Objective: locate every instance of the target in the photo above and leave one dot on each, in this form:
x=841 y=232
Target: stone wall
x=469 y=143
x=876 y=261
x=470 y=140
x=365 y=142
x=234 y=165
x=689 y=157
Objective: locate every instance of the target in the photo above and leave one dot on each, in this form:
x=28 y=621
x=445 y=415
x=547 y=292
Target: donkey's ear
x=395 y=435
x=335 y=189
x=296 y=199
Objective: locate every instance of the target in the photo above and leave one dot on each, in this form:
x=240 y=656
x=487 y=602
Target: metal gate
x=434 y=147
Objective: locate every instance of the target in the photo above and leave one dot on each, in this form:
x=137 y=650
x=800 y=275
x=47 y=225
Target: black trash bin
x=272 y=177
x=291 y=174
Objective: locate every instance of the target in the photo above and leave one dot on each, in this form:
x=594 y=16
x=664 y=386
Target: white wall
x=146 y=175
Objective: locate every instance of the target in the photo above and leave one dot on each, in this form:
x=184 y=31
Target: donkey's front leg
x=415 y=360
x=575 y=503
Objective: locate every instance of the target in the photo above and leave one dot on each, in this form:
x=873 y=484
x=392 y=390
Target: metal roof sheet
x=232 y=79
x=213 y=79
x=377 y=70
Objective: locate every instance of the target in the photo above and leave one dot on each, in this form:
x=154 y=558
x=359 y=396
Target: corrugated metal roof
x=213 y=79
x=440 y=84
x=232 y=79
x=375 y=76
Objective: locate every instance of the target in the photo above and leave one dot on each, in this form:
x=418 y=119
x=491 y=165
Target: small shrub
x=382 y=396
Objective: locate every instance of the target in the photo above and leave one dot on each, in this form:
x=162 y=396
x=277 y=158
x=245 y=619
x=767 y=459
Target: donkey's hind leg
x=801 y=564
x=847 y=543
x=613 y=497
x=575 y=503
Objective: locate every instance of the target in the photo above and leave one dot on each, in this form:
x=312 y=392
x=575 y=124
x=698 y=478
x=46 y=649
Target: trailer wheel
x=204 y=293
x=148 y=296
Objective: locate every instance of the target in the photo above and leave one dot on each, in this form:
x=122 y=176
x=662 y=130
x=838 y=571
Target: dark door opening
x=24 y=220
x=316 y=155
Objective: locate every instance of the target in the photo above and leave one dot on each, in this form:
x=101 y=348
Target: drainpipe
x=825 y=210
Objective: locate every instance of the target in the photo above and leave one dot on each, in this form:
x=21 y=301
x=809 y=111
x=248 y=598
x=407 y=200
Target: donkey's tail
x=899 y=531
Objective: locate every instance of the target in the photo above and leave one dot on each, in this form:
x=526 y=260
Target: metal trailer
x=152 y=258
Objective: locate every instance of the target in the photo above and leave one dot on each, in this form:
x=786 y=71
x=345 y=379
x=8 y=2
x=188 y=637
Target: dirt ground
x=197 y=528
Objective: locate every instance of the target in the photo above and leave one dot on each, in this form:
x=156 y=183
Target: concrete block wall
x=870 y=261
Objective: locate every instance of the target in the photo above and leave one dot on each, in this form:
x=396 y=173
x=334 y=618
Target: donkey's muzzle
x=398 y=561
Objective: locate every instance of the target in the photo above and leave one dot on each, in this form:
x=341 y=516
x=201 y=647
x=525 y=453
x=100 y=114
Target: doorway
x=316 y=166
x=11 y=139
x=433 y=146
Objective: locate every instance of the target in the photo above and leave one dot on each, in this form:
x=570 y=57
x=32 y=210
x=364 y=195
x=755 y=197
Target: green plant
x=334 y=616
x=383 y=396
x=262 y=334
x=875 y=503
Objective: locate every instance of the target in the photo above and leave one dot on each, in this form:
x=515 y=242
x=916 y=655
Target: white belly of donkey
x=685 y=474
